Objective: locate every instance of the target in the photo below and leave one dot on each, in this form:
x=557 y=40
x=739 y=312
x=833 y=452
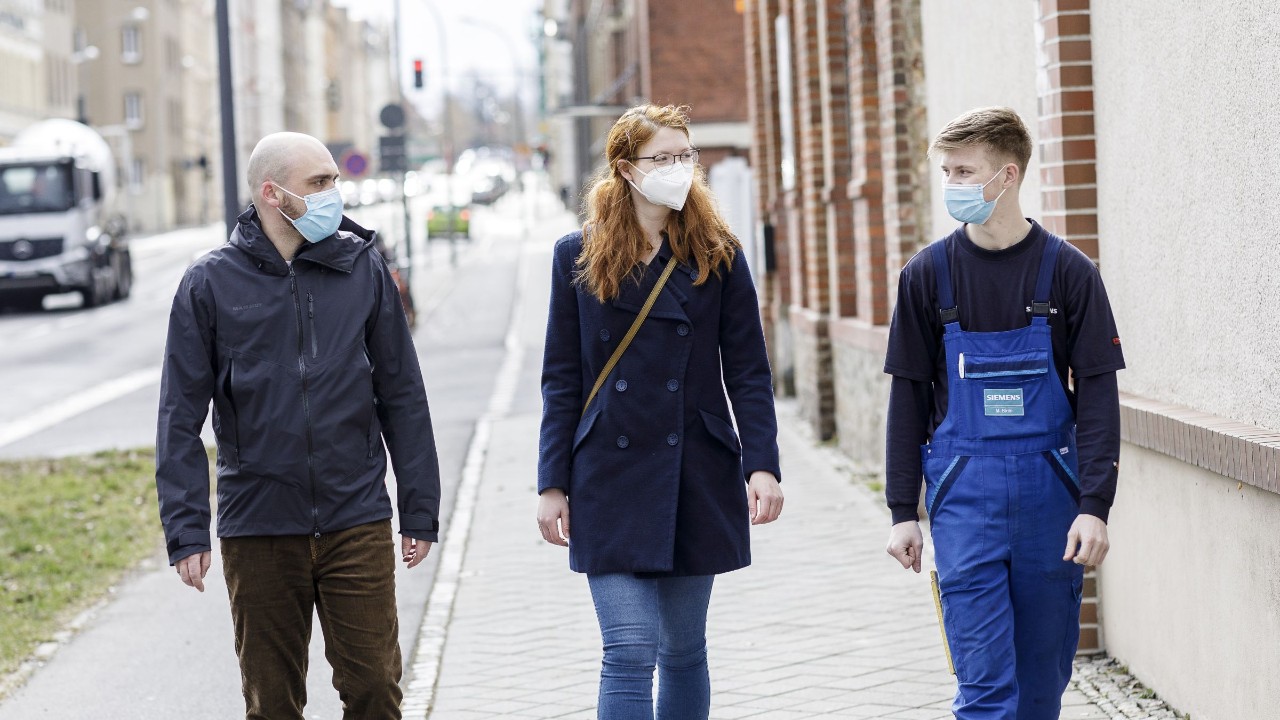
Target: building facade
x=601 y=57
x=1150 y=131
x=134 y=88
x=36 y=50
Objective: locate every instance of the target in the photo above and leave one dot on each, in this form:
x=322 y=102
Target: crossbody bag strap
x=631 y=333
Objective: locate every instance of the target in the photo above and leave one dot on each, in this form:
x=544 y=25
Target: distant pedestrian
x=295 y=330
x=661 y=489
x=1019 y=463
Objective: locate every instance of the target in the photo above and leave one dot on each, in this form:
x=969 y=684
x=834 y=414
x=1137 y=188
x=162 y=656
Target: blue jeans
x=648 y=622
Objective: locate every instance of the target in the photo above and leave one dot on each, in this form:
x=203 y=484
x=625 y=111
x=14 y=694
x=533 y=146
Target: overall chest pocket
x=1007 y=381
x=995 y=366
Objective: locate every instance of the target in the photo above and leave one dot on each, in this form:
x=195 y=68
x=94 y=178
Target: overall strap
x=948 y=312
x=631 y=334
x=1044 y=281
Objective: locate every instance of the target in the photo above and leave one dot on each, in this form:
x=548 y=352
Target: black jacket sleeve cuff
x=1095 y=506
x=904 y=513
x=420 y=527
x=187 y=544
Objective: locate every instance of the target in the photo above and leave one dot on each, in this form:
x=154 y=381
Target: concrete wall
x=1188 y=196
x=1191 y=590
x=978 y=55
x=862 y=395
x=1188 y=192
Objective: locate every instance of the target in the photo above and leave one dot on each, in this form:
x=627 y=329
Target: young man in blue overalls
x=1019 y=461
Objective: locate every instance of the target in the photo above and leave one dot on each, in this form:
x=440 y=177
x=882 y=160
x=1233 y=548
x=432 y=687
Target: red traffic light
x=417 y=73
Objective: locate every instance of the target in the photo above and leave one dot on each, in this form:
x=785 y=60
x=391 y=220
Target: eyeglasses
x=688 y=158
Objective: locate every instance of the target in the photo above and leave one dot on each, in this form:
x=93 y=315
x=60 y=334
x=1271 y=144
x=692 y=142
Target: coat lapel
x=674 y=295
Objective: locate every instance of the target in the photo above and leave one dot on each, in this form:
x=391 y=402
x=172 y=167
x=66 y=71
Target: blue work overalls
x=1002 y=492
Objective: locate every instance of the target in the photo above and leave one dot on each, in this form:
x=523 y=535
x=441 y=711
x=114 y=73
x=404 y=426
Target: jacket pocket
x=584 y=429
x=375 y=430
x=227 y=416
x=721 y=430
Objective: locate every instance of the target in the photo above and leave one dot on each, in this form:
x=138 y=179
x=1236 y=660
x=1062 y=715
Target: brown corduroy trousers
x=348 y=579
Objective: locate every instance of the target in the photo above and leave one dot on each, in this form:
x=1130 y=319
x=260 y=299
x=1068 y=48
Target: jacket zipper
x=311 y=324
x=306 y=402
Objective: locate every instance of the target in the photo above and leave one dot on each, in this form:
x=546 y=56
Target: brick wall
x=903 y=139
x=763 y=111
x=1067 y=148
x=1068 y=173
x=871 y=303
x=695 y=57
x=833 y=50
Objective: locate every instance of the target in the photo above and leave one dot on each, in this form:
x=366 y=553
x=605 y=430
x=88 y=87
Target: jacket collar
x=632 y=295
x=338 y=252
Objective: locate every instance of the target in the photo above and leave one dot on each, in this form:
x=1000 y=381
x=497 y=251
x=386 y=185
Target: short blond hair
x=998 y=129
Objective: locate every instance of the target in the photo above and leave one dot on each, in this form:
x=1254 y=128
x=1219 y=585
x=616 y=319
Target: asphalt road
x=75 y=380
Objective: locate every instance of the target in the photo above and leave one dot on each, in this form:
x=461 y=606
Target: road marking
x=419 y=696
x=81 y=402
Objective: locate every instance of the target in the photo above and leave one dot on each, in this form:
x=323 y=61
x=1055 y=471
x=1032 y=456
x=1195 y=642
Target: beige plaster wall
x=1188 y=199
x=1191 y=589
x=977 y=55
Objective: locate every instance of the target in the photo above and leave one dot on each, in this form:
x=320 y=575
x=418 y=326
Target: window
x=175 y=117
x=138 y=174
x=131 y=44
x=133 y=117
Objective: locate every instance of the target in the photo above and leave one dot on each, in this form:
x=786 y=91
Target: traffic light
x=417 y=74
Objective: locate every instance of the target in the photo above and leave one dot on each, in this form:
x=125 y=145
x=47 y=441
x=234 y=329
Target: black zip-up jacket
x=309 y=367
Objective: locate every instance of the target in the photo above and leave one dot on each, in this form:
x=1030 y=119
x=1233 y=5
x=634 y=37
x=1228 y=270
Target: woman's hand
x=764 y=497
x=553 y=506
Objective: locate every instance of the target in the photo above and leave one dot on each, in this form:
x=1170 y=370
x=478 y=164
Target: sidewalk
x=823 y=624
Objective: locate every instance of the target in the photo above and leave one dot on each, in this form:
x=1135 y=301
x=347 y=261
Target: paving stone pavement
x=822 y=625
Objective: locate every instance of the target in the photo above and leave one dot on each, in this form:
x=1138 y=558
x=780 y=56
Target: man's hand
x=413 y=550
x=553 y=517
x=906 y=544
x=1087 y=542
x=193 y=568
x=764 y=497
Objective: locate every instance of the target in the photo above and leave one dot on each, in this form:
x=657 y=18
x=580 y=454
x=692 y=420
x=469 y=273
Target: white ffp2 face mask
x=670 y=188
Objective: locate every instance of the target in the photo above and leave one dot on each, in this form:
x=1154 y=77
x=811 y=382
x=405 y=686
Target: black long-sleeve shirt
x=993 y=291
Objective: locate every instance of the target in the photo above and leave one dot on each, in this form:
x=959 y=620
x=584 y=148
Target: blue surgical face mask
x=966 y=202
x=323 y=215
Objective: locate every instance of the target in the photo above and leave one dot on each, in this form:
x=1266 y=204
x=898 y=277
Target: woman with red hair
x=653 y=335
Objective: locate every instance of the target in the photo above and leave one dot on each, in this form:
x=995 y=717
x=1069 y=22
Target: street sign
x=391 y=156
x=392 y=116
x=354 y=164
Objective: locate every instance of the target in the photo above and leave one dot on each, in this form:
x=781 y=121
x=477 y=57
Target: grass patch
x=69 y=528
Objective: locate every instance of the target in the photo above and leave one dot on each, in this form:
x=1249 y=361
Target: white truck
x=60 y=228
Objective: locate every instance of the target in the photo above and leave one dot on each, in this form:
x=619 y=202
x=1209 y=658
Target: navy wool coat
x=654 y=471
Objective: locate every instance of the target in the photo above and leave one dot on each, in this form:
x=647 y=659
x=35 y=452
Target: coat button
x=682 y=329
x=621 y=385
x=673 y=439
x=623 y=441
x=672 y=385
x=604 y=335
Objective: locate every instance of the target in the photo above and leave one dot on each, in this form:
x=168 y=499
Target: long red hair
x=613 y=243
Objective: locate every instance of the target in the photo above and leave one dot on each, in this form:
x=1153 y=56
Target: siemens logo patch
x=1002 y=402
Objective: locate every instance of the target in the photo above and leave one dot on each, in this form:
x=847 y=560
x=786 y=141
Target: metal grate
x=30 y=249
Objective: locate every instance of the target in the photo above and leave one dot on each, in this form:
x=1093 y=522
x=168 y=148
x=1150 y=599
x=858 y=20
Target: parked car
x=449 y=221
